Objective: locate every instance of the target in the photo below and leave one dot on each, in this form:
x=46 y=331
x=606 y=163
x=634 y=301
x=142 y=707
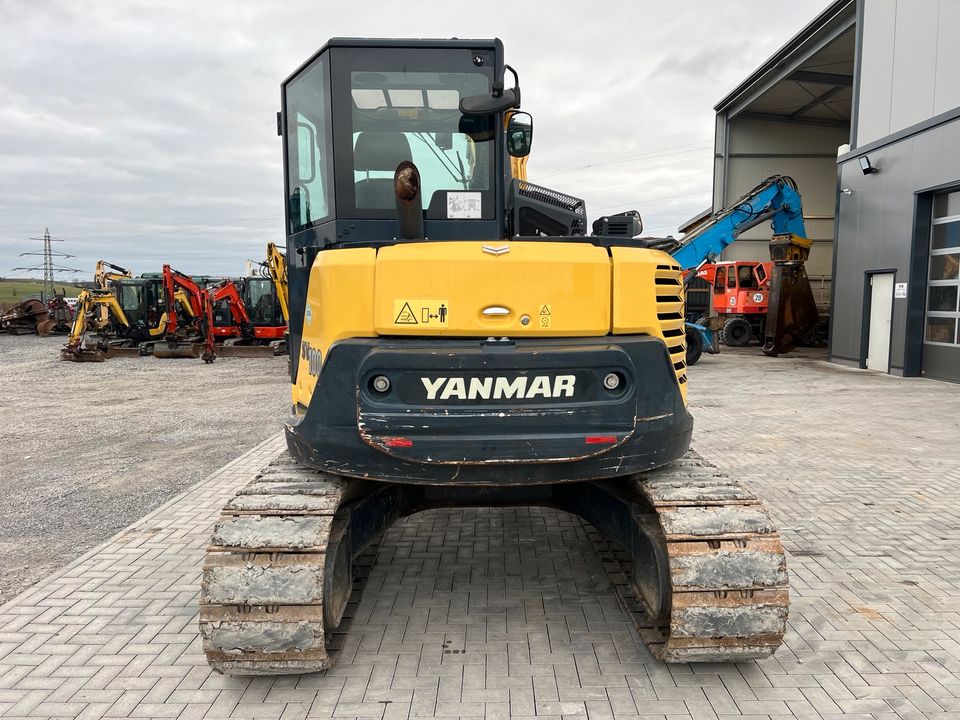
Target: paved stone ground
x=507 y=613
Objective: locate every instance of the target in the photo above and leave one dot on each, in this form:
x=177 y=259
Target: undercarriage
x=692 y=553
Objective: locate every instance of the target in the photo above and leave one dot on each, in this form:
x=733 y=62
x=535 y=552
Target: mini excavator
x=457 y=339
x=94 y=309
x=187 y=331
x=251 y=328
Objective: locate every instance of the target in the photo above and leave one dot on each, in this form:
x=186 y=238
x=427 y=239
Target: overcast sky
x=144 y=132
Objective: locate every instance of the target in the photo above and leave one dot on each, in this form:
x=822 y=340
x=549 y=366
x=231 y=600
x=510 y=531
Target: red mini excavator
x=188 y=326
x=241 y=336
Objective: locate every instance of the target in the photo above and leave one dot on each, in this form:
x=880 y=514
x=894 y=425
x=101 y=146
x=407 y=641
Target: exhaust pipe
x=406 y=188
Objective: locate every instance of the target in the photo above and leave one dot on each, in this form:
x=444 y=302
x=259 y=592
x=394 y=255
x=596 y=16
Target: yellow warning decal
x=546 y=317
x=431 y=312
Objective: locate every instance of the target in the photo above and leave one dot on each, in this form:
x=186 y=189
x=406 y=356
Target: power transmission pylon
x=49 y=267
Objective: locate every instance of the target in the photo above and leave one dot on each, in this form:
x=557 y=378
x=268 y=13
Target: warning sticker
x=421 y=311
x=546 y=317
x=463 y=205
x=405 y=316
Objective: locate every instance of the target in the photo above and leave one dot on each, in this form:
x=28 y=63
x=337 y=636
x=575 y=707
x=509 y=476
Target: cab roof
x=440 y=43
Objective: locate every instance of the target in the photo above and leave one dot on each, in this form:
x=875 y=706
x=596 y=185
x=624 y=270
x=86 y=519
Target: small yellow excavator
x=94 y=310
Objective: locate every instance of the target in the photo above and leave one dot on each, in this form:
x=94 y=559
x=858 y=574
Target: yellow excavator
x=94 y=310
x=457 y=339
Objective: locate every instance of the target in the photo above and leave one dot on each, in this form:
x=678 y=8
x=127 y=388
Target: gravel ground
x=86 y=449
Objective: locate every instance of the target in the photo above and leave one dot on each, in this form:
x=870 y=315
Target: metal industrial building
x=862 y=108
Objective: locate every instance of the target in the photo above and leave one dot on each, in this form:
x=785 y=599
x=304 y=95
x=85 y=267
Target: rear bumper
x=465 y=412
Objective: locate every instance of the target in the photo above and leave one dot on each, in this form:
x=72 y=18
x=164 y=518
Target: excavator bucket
x=83 y=355
x=792 y=315
x=97 y=353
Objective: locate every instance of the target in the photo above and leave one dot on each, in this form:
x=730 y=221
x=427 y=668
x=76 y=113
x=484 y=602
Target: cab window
x=309 y=180
x=260 y=300
x=415 y=116
x=131 y=302
x=719 y=284
x=746 y=278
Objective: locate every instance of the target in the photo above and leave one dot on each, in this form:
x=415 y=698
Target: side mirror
x=519 y=134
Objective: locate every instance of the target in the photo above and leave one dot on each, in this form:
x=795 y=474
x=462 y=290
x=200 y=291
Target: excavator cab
x=260 y=297
x=359 y=108
x=142 y=301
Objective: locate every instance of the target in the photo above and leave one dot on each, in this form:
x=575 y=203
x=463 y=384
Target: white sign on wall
x=900 y=290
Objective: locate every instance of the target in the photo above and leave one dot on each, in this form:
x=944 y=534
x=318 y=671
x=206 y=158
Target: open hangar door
x=789 y=118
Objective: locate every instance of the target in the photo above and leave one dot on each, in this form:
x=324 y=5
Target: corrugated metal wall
x=910 y=56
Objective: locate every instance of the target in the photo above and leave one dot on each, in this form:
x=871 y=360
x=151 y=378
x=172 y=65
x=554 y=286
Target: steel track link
x=729 y=590
x=266 y=575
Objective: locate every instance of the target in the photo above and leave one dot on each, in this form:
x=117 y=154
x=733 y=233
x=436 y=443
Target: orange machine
x=741 y=296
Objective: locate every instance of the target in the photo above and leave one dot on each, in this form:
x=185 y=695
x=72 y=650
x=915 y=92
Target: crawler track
x=696 y=561
x=729 y=590
x=266 y=579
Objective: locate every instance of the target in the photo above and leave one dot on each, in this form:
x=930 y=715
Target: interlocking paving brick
x=503 y=613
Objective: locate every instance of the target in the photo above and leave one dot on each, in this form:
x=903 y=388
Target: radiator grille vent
x=670 y=315
x=551 y=197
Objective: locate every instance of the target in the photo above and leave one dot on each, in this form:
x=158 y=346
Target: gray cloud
x=144 y=132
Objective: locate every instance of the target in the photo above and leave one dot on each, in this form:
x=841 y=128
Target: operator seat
x=378 y=152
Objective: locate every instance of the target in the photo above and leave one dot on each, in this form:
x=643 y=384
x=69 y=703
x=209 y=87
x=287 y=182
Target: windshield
x=415 y=116
x=260 y=300
x=131 y=301
x=391 y=105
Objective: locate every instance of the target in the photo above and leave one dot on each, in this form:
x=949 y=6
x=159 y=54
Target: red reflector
x=601 y=439
x=398 y=442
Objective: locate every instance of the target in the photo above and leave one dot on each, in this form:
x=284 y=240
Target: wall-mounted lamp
x=866 y=166
x=847 y=191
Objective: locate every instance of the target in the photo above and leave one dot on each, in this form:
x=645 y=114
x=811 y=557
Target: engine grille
x=551 y=197
x=670 y=314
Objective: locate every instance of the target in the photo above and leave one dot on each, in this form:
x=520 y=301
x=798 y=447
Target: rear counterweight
x=539 y=411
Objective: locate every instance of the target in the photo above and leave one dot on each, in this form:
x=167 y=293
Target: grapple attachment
x=792 y=314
